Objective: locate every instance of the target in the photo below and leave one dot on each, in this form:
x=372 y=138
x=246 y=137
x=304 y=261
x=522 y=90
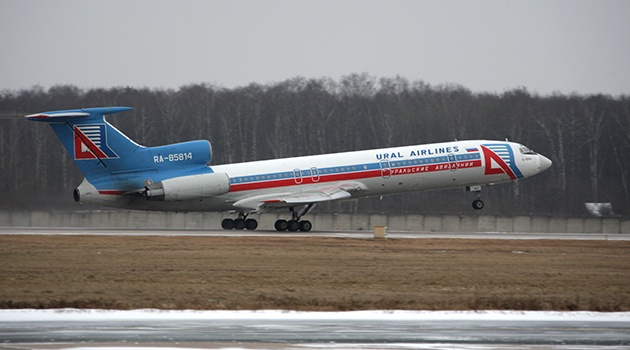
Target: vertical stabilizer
x=98 y=148
x=109 y=160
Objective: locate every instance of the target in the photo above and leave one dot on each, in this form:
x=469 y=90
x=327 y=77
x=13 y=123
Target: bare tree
x=587 y=137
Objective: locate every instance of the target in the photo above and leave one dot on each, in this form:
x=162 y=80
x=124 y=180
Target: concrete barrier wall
x=321 y=222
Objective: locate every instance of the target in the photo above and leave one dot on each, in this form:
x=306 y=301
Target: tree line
x=586 y=136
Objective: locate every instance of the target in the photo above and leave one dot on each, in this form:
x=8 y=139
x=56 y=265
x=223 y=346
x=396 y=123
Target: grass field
x=122 y=272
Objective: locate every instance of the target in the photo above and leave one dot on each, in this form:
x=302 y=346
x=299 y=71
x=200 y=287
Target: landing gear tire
x=293 y=225
x=305 y=226
x=239 y=224
x=251 y=224
x=281 y=225
x=227 y=224
x=477 y=204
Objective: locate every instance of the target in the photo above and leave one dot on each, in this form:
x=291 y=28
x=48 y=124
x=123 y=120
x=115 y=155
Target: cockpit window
x=526 y=150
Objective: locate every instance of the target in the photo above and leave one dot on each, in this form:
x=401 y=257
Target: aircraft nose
x=545 y=163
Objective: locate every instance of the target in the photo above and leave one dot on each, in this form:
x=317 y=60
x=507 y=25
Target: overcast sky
x=494 y=46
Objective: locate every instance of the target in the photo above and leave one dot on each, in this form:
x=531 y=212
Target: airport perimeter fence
x=321 y=222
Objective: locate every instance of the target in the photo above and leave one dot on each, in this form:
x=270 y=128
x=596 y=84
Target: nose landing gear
x=477 y=204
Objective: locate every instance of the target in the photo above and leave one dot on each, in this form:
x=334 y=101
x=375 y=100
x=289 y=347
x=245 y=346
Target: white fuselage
x=371 y=173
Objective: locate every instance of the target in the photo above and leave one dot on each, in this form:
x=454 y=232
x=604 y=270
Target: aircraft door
x=452 y=162
x=297 y=176
x=314 y=174
x=386 y=170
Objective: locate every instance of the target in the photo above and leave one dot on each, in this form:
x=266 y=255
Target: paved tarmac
x=338 y=234
x=299 y=330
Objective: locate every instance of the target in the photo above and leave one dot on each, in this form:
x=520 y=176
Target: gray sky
x=545 y=46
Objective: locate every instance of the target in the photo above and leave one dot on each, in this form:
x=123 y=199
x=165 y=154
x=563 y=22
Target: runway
x=69 y=328
x=277 y=329
x=337 y=234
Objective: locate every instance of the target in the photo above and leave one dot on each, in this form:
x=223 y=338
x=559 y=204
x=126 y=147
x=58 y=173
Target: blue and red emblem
x=499 y=159
x=90 y=142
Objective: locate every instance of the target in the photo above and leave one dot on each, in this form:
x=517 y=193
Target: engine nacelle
x=83 y=193
x=189 y=187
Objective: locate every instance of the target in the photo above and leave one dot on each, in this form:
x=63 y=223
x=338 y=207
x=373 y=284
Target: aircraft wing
x=312 y=195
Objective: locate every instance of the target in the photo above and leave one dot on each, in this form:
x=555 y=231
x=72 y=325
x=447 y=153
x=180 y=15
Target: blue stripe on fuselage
x=296 y=174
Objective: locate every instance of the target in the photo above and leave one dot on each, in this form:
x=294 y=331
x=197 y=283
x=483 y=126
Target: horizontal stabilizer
x=61 y=116
x=42 y=116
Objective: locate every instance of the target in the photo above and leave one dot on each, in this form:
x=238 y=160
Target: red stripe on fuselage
x=357 y=175
x=112 y=192
x=436 y=167
x=304 y=180
x=259 y=185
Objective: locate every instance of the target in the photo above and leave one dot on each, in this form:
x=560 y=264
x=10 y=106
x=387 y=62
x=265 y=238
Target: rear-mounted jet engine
x=188 y=187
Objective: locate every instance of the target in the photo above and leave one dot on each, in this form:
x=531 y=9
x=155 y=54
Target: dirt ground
x=310 y=273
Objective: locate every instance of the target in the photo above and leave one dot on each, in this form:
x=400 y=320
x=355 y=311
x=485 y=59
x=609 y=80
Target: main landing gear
x=239 y=224
x=295 y=223
x=477 y=204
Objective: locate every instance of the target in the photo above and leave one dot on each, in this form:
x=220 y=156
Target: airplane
x=121 y=173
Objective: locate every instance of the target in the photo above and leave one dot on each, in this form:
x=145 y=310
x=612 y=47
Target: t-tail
x=111 y=161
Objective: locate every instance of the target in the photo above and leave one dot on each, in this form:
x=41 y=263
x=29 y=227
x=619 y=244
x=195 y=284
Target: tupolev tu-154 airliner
x=121 y=173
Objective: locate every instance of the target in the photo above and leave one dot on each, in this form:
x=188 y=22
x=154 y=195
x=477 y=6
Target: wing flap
x=314 y=197
x=288 y=199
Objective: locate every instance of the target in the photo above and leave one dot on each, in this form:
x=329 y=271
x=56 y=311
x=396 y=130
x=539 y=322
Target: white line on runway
x=336 y=234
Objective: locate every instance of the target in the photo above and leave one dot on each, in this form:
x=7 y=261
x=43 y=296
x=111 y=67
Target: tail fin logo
x=90 y=142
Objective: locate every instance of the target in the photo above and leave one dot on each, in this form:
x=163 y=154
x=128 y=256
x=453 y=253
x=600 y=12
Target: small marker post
x=380 y=232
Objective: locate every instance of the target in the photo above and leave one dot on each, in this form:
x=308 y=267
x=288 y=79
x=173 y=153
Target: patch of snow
x=26 y=315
